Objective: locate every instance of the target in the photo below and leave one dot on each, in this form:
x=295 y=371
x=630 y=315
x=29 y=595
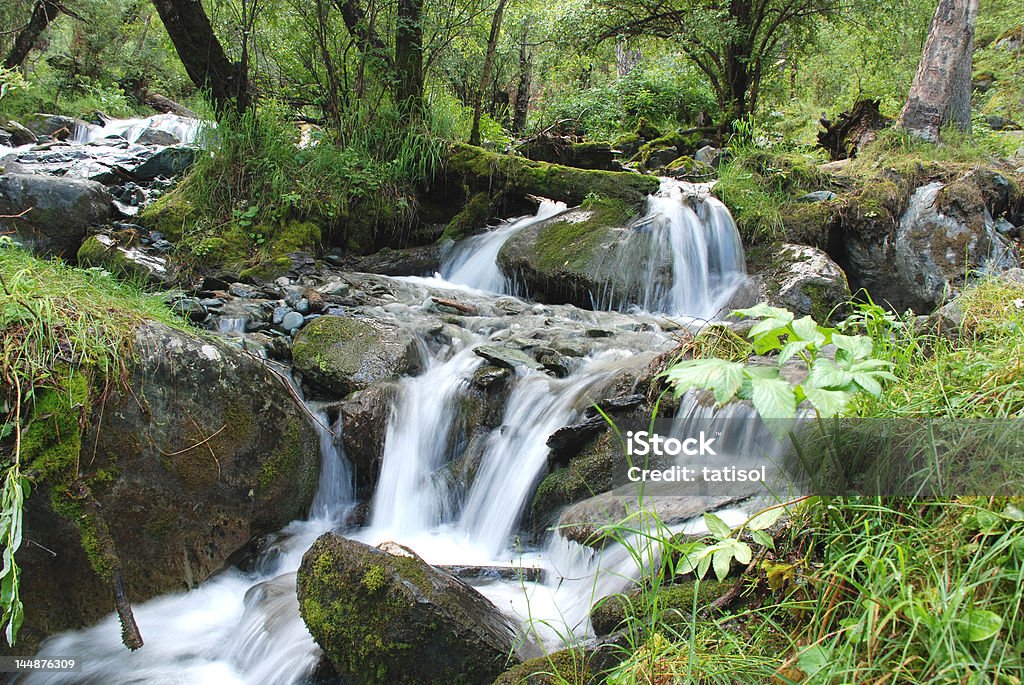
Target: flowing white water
x=473 y=262
x=410 y=499
x=516 y=455
x=186 y=130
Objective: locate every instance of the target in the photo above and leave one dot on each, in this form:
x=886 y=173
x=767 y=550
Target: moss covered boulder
x=129 y=262
x=392 y=619
x=675 y=605
x=578 y=257
x=340 y=355
x=200 y=450
x=564 y=667
x=51 y=215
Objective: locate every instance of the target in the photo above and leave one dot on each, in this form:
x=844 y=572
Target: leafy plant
x=829 y=385
x=698 y=558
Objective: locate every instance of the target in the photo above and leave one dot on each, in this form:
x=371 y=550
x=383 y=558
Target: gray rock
x=55 y=212
x=18 y=134
x=176 y=510
x=341 y=355
x=302 y=306
x=166 y=163
x=103 y=251
x=292 y=321
x=425 y=625
x=190 y=308
x=155 y=136
x=709 y=155
x=279 y=314
x=817 y=196
x=507 y=357
x=365 y=420
x=53 y=125
x=805 y=281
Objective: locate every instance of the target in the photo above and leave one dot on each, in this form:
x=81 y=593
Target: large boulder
x=365 y=417
x=339 y=354
x=16 y=134
x=167 y=163
x=945 y=233
x=805 y=281
x=49 y=214
x=54 y=125
x=392 y=618
x=201 y=449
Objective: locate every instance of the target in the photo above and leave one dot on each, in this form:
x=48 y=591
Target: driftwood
x=455 y=304
x=166 y=105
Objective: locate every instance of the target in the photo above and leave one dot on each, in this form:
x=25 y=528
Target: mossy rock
x=600 y=466
x=675 y=605
x=471 y=219
x=393 y=619
x=202 y=449
x=809 y=223
x=493 y=173
x=576 y=257
x=173 y=214
x=130 y=263
x=564 y=667
x=51 y=215
x=341 y=355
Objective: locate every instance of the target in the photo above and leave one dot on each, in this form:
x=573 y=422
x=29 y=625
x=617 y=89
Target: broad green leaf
x=813 y=659
x=763 y=310
x=807 y=329
x=762 y=538
x=719 y=375
x=979 y=624
x=825 y=374
x=723 y=562
x=856 y=347
x=704 y=565
x=791 y=349
x=766 y=519
x=716 y=526
x=829 y=403
x=773 y=398
x=741 y=551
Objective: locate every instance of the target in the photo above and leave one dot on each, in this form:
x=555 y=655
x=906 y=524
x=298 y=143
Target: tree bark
x=362 y=31
x=44 y=12
x=626 y=58
x=522 y=104
x=202 y=55
x=409 y=56
x=941 y=92
x=485 y=73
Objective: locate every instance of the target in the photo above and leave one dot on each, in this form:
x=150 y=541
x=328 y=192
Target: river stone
x=291 y=321
x=384 y=618
x=103 y=251
x=341 y=355
x=59 y=211
x=805 y=281
x=155 y=136
x=53 y=125
x=202 y=449
x=166 y=163
x=507 y=357
x=365 y=421
x=19 y=135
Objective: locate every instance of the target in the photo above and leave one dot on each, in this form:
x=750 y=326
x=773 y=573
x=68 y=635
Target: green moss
x=592 y=472
x=53 y=439
x=471 y=219
x=671 y=606
x=573 y=245
x=374 y=580
x=808 y=223
x=266 y=271
x=294 y=236
x=173 y=214
x=646 y=130
x=564 y=667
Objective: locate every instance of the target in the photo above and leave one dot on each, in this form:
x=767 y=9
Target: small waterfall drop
x=409 y=499
x=473 y=262
x=186 y=130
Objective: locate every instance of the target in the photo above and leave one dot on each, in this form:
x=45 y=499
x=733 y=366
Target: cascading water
x=473 y=262
x=184 y=129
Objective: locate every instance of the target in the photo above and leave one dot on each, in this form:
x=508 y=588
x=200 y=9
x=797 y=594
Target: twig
x=204 y=442
x=201 y=442
x=16 y=216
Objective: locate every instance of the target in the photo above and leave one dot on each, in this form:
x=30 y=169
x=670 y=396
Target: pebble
x=292 y=321
x=279 y=314
x=302 y=306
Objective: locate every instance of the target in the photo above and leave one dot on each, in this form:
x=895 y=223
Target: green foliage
x=828 y=388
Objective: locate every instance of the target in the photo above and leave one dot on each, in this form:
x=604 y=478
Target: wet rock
x=204 y=449
x=365 y=420
x=103 y=251
x=709 y=155
x=17 y=134
x=817 y=196
x=166 y=163
x=292 y=321
x=54 y=212
x=190 y=308
x=412 y=261
x=805 y=281
x=945 y=234
x=341 y=355
x=507 y=357
x=53 y=125
x=155 y=136
x=390 y=618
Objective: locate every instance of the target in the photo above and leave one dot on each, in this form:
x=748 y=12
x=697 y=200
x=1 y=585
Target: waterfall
x=473 y=262
x=184 y=129
x=409 y=499
x=237 y=628
x=516 y=455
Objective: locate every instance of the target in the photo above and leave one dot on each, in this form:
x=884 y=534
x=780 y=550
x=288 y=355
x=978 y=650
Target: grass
x=860 y=589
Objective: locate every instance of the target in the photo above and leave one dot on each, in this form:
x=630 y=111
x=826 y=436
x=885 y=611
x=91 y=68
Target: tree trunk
x=941 y=92
x=485 y=73
x=409 y=56
x=202 y=54
x=43 y=13
x=522 y=105
x=626 y=58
